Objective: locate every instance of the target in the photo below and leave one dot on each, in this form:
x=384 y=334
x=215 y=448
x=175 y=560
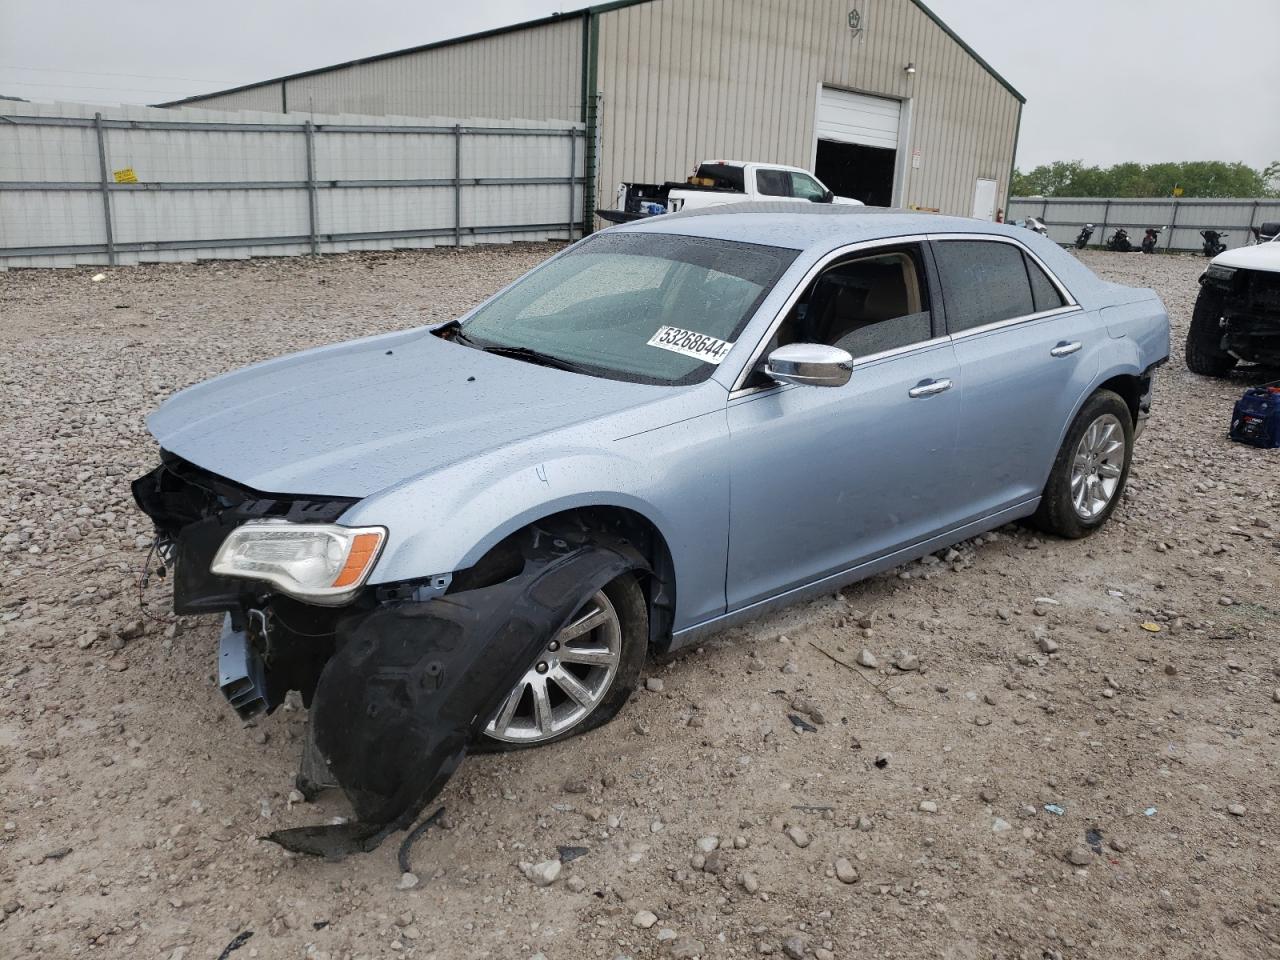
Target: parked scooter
x=1149 y=239
x=1213 y=244
x=1119 y=242
x=1084 y=236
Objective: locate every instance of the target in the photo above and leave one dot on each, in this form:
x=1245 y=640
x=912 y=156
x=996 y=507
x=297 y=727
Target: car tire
x=1060 y=511
x=628 y=603
x=1205 y=355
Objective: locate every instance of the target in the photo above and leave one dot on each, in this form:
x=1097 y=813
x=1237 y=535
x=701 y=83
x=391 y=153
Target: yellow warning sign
x=125 y=176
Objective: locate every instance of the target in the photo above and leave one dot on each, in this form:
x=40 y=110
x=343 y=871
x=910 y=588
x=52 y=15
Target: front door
x=825 y=478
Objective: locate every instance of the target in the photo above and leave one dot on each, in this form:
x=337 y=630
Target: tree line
x=1195 y=178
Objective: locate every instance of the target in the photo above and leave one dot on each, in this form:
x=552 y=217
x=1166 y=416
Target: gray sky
x=1105 y=80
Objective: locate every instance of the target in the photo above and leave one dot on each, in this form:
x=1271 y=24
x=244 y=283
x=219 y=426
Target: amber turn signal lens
x=363 y=549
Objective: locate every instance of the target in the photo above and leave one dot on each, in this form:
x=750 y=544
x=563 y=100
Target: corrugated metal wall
x=239 y=185
x=686 y=80
x=525 y=74
x=267 y=97
x=1181 y=220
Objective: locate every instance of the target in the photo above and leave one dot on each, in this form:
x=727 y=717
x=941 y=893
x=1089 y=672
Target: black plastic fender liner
x=411 y=684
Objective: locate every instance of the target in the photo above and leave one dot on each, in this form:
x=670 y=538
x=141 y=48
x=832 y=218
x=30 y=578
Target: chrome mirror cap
x=814 y=364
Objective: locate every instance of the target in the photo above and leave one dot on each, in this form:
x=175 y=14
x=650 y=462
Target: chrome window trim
x=1014 y=321
x=810 y=275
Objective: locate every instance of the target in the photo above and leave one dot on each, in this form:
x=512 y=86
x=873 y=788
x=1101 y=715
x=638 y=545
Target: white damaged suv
x=1237 y=315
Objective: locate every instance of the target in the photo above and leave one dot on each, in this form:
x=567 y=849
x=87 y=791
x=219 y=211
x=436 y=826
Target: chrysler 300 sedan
x=472 y=535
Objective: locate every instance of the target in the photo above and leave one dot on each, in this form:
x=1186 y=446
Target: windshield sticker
x=691 y=344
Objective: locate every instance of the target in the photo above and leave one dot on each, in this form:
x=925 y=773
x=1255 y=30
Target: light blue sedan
x=699 y=416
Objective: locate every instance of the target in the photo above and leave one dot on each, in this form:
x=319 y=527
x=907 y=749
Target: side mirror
x=814 y=364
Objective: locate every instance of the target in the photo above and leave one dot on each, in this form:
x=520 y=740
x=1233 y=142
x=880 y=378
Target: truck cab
x=717 y=182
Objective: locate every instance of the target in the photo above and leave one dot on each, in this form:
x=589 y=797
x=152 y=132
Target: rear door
x=1021 y=343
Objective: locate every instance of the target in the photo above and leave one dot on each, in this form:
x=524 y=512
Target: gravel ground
x=1115 y=798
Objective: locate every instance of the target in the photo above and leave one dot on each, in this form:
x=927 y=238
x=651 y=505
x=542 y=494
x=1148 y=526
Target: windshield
x=650 y=308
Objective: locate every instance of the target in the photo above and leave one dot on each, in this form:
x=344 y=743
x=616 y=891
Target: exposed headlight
x=322 y=563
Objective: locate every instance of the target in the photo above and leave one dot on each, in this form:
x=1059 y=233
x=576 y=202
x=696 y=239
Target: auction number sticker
x=691 y=344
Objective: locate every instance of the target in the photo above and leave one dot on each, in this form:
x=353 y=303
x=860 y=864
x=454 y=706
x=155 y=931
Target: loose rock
x=545 y=873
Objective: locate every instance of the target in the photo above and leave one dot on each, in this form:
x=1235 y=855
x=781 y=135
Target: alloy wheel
x=1097 y=467
x=567 y=681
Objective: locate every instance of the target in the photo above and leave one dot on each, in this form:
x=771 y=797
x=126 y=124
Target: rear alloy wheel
x=1097 y=467
x=582 y=676
x=1205 y=355
x=1090 y=470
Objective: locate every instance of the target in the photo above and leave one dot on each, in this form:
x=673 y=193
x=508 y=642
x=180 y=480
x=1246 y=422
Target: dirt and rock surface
x=1082 y=760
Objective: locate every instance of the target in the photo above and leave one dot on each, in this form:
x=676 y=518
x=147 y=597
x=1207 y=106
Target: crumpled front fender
x=411 y=684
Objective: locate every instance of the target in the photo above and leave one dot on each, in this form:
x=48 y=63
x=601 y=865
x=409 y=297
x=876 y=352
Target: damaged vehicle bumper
x=401 y=680
x=1248 y=302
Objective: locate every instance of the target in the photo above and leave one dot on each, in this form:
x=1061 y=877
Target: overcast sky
x=1105 y=80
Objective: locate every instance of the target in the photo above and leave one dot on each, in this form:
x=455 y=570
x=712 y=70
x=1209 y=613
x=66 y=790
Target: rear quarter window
x=1043 y=292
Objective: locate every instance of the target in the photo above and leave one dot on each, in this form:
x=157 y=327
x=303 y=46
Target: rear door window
x=983 y=281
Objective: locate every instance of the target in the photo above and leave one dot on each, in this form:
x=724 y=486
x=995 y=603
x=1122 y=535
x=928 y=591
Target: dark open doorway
x=852 y=170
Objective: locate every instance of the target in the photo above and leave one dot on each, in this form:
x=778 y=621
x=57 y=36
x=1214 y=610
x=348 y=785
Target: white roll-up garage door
x=857 y=118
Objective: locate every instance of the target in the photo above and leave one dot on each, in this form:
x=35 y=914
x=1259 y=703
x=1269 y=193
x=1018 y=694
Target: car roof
x=803 y=225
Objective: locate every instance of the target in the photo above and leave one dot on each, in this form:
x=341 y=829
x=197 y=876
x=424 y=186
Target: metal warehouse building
x=879 y=97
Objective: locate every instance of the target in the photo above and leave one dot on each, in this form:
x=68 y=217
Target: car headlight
x=1219 y=272
x=322 y=563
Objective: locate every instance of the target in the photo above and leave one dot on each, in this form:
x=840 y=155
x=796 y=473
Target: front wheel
x=582 y=677
x=1204 y=352
x=1090 y=470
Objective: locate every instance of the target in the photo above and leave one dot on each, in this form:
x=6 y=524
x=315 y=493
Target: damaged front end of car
x=400 y=678
x=1248 y=305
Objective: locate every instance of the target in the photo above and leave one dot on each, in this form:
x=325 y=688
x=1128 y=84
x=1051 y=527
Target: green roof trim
x=969 y=50
x=593 y=11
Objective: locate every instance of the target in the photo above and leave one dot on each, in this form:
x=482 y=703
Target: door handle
x=1065 y=349
x=929 y=388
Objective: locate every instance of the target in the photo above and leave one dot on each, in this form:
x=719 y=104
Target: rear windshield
x=723 y=176
x=648 y=308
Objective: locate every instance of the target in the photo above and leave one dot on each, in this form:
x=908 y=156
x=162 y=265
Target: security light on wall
x=909 y=69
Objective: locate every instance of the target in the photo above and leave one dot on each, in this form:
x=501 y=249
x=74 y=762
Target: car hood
x=848 y=201
x=355 y=418
x=1261 y=256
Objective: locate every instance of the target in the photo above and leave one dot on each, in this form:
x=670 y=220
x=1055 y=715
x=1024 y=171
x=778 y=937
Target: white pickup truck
x=717 y=182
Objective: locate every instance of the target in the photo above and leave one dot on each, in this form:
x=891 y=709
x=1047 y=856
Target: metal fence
x=138 y=184
x=1181 y=220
